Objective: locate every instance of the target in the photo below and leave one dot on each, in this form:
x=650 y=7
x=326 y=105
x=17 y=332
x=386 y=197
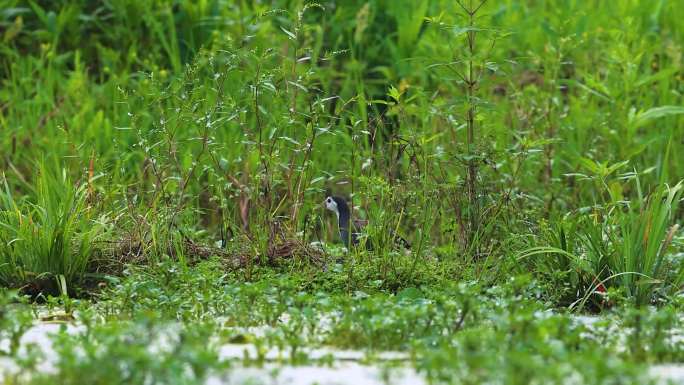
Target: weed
x=51 y=239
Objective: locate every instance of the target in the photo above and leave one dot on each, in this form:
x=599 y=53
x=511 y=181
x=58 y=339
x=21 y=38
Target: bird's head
x=335 y=204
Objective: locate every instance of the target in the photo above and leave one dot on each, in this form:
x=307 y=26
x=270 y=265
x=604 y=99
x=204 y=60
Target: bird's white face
x=331 y=205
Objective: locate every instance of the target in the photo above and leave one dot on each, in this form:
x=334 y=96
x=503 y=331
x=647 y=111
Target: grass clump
x=643 y=264
x=49 y=241
x=624 y=248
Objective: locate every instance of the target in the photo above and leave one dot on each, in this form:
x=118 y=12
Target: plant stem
x=472 y=163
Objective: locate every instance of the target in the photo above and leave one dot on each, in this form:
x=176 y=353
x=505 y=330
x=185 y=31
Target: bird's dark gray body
x=348 y=231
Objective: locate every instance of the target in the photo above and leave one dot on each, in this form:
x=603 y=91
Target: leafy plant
x=642 y=263
x=53 y=238
x=626 y=247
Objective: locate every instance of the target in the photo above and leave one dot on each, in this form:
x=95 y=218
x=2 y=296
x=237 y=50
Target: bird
x=339 y=206
x=350 y=232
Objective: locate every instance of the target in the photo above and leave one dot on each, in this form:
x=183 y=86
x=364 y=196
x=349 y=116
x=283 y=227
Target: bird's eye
x=329 y=200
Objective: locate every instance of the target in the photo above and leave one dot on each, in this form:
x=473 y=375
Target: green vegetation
x=53 y=237
x=163 y=165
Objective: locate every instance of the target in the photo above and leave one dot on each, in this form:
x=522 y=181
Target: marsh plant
x=427 y=121
x=625 y=245
x=164 y=163
x=51 y=239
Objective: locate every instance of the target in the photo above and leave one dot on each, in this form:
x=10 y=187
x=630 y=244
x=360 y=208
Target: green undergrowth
x=164 y=163
x=452 y=333
x=50 y=241
x=622 y=250
x=478 y=131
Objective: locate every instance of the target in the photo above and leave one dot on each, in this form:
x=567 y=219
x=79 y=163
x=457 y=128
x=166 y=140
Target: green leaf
x=290 y=34
x=14 y=29
x=664 y=74
x=644 y=117
x=394 y=93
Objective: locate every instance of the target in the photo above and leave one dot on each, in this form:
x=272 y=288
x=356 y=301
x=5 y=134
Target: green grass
x=625 y=245
x=50 y=240
x=501 y=333
x=529 y=151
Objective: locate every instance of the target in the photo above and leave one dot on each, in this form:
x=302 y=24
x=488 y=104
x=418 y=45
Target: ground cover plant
x=163 y=167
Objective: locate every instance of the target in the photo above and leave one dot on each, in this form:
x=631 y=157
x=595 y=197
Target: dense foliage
x=471 y=129
x=166 y=160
